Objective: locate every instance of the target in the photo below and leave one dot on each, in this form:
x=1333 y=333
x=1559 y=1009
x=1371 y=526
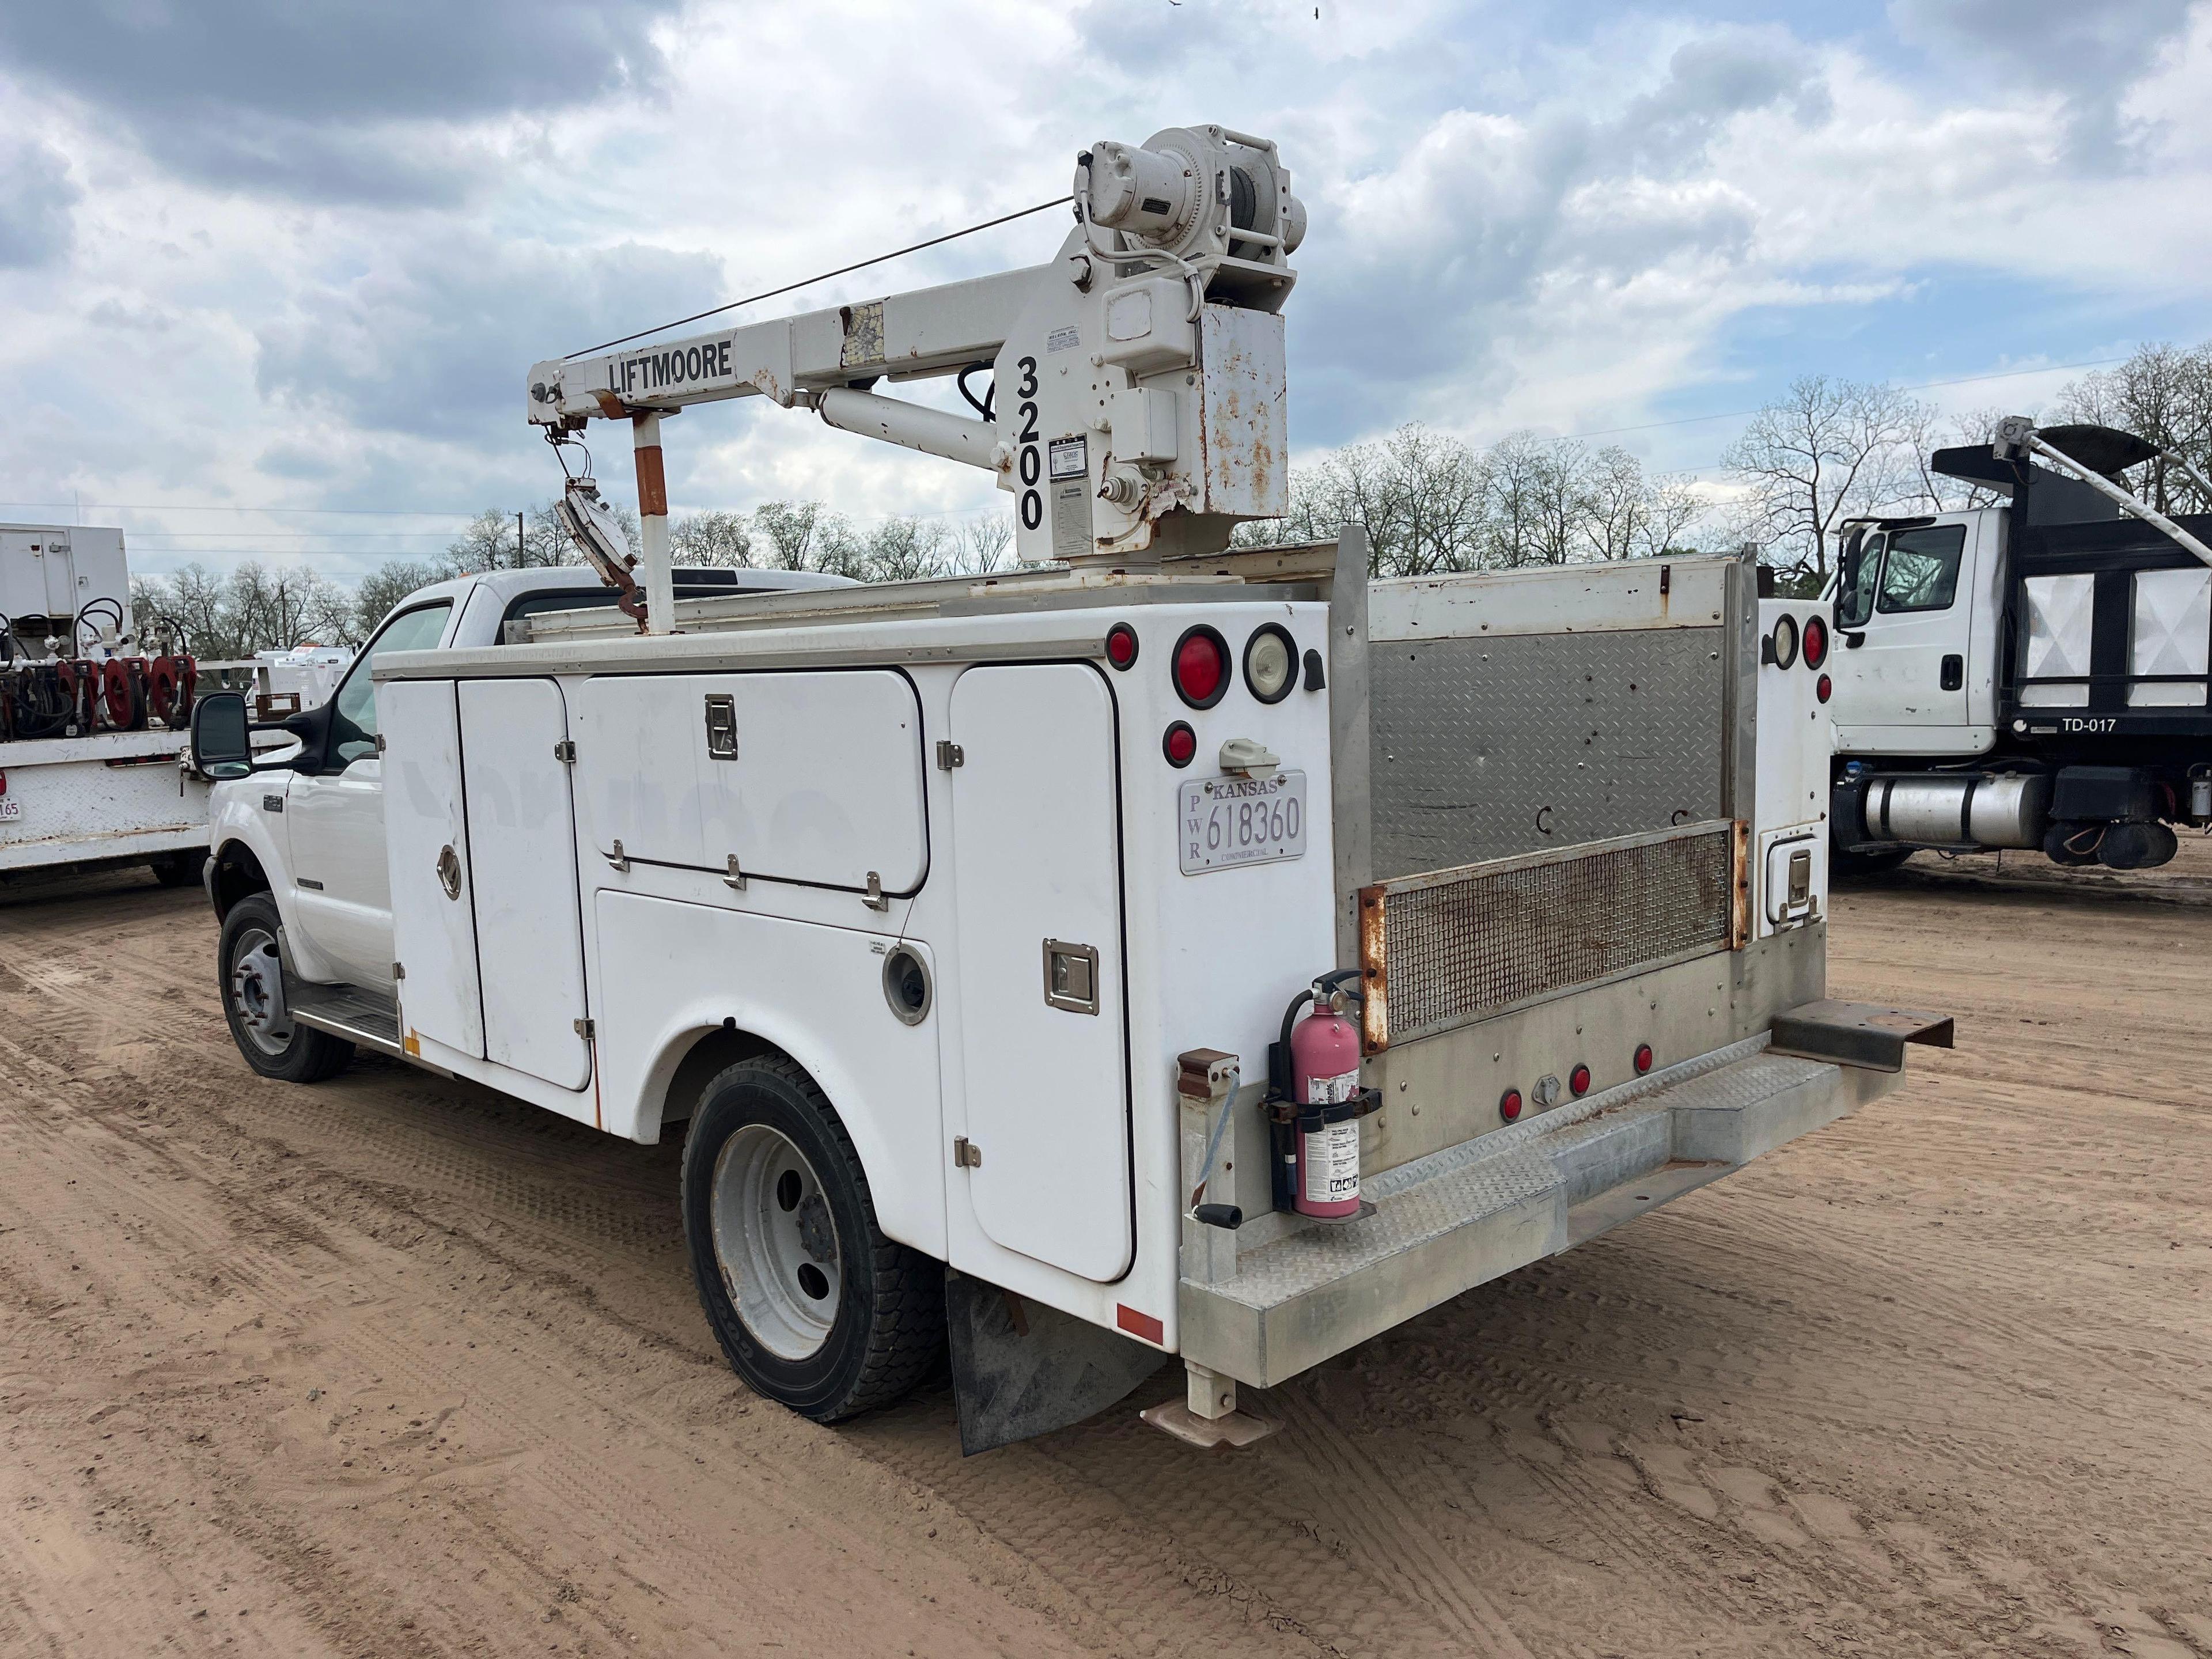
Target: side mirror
x=221 y=746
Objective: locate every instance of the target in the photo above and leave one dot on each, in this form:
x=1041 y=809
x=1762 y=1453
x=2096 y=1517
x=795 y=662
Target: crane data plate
x=1223 y=822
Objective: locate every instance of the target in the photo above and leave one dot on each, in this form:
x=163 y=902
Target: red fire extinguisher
x=1320 y=1075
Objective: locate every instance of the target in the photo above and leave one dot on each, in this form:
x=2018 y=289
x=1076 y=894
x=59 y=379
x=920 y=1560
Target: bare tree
x=1824 y=451
x=712 y=538
x=382 y=589
x=2162 y=393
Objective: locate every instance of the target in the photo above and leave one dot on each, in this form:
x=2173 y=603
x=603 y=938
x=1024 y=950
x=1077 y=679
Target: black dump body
x=2103 y=709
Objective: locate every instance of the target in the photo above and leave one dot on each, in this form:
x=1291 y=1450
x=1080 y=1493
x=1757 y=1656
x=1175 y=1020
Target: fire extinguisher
x=1314 y=1070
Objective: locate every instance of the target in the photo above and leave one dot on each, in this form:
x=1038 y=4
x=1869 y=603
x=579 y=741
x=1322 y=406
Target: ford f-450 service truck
x=1189 y=952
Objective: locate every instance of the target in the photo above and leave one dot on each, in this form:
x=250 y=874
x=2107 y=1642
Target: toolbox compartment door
x=529 y=921
x=426 y=831
x=813 y=777
x=1037 y=856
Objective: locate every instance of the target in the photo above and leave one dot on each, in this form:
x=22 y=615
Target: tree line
x=1825 y=451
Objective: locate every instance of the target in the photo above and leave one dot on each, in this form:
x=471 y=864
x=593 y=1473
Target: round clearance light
x=906 y=987
x=1201 y=667
x=1122 y=646
x=1824 y=688
x=1816 y=641
x=1642 y=1058
x=1782 y=643
x=1509 y=1104
x=1271 y=663
x=1180 y=744
x=1579 y=1079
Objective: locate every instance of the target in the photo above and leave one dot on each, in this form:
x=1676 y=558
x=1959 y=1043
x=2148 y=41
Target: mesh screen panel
x=1460 y=947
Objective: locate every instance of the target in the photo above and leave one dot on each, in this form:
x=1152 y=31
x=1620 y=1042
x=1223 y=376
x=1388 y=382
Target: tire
x=814 y=1307
x=1851 y=865
x=180 y=869
x=245 y=957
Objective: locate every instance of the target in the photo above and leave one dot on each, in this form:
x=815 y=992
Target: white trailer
x=955 y=920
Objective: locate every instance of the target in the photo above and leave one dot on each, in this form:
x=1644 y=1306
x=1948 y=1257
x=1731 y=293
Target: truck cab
x=2030 y=674
x=317 y=812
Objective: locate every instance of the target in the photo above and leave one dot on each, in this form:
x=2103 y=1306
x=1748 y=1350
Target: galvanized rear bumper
x=1459 y=1218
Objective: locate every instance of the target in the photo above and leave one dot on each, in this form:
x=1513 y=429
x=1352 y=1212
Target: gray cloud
x=437 y=341
x=318 y=102
x=36 y=195
x=2087 y=53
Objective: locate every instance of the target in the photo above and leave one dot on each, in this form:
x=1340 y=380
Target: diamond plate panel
x=1486 y=748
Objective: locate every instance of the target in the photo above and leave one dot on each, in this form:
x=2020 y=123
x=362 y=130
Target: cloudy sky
x=296 y=259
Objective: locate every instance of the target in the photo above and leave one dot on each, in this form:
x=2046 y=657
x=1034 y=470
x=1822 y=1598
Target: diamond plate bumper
x=1472 y=1212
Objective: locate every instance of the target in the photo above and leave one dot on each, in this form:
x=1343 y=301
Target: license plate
x=10 y=810
x=1222 y=823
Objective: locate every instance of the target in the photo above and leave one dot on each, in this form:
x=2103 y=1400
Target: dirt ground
x=395 y=1366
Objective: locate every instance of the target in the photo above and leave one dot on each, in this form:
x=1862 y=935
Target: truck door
x=1904 y=608
x=522 y=841
x=1036 y=857
x=335 y=817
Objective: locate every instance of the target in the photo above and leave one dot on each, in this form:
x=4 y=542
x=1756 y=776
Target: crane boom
x=1138 y=375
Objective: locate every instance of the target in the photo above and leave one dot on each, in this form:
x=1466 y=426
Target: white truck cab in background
x=2031 y=674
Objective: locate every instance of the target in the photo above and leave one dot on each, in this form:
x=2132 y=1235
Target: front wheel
x=249 y=975
x=814 y=1307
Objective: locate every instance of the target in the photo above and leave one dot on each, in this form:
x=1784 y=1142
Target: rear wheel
x=814 y=1307
x=1867 y=863
x=249 y=975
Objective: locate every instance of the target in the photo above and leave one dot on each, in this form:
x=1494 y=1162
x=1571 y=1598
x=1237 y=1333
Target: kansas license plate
x=1222 y=823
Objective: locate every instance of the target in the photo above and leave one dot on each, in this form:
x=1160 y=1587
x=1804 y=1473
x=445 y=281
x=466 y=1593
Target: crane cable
x=769 y=293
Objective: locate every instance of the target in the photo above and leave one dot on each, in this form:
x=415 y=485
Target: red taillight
x=1823 y=687
x=1578 y=1079
x=1122 y=645
x=1201 y=667
x=1180 y=745
x=1642 y=1058
x=1509 y=1104
x=1816 y=641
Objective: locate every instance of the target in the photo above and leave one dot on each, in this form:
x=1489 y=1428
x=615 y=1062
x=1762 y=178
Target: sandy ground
x=394 y=1366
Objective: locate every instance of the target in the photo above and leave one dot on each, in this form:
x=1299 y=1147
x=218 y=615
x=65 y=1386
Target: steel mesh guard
x=1454 y=946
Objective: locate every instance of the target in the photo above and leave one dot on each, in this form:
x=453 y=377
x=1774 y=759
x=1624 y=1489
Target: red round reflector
x=1509 y=1104
x=1642 y=1058
x=1578 y=1079
x=1201 y=667
x=1122 y=645
x=1823 y=687
x=1180 y=744
x=1816 y=641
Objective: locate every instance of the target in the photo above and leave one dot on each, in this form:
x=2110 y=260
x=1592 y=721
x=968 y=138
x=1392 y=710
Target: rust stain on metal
x=609 y=406
x=651 y=483
x=1374 y=973
x=1740 y=910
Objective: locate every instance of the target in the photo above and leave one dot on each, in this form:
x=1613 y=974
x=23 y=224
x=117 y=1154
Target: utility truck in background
x=1164 y=949
x=92 y=724
x=2028 y=674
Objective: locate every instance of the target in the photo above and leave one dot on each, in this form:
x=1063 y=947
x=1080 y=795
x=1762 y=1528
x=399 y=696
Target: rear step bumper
x=1473 y=1212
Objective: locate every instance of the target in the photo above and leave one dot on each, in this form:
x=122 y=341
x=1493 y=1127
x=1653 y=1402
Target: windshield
x=352 y=719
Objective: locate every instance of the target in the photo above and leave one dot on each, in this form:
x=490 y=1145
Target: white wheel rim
x=256 y=991
x=775 y=1241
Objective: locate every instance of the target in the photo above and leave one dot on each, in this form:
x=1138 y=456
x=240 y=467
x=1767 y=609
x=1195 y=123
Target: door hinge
x=966 y=1154
x=565 y=751
x=399 y=971
x=950 y=755
x=379 y=743
x=588 y=1029
x=876 y=899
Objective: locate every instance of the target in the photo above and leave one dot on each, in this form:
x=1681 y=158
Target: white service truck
x=2031 y=673
x=92 y=742
x=955 y=921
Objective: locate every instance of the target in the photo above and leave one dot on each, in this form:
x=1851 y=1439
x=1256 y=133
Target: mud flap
x=1020 y=1369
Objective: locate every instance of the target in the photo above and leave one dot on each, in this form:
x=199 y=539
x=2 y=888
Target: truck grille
x=1454 y=946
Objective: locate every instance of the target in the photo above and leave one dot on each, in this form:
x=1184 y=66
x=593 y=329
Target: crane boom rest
x=1137 y=402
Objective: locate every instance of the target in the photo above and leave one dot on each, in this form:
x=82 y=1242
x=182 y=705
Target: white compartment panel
x=434 y=933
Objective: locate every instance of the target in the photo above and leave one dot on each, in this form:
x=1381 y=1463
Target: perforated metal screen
x=1447 y=949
